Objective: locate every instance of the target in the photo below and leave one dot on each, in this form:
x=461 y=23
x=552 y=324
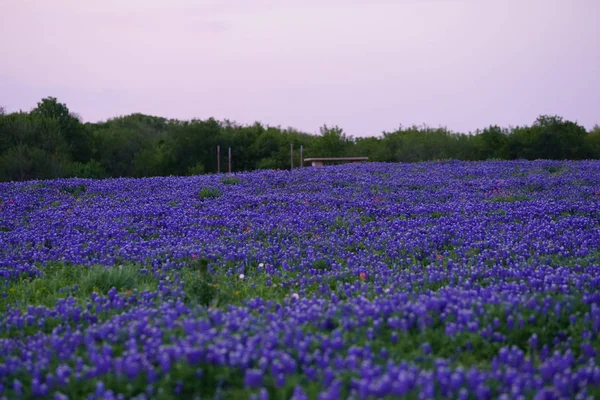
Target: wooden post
x=301 y=156
x=218 y=159
x=230 y=160
x=291 y=156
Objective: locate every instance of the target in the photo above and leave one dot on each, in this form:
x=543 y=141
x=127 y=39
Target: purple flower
x=426 y=348
x=253 y=378
x=533 y=342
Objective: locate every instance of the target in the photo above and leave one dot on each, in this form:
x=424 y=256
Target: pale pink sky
x=365 y=65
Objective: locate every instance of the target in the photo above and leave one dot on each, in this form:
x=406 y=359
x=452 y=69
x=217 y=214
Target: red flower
x=362 y=276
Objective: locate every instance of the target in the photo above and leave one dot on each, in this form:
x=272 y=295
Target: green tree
x=51 y=142
x=191 y=143
x=241 y=139
x=592 y=143
x=80 y=144
x=34 y=131
x=332 y=142
x=149 y=161
x=550 y=137
x=116 y=149
x=266 y=149
x=421 y=144
x=560 y=139
x=23 y=162
x=371 y=147
x=490 y=142
x=91 y=170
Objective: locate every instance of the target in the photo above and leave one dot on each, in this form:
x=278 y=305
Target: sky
x=367 y=66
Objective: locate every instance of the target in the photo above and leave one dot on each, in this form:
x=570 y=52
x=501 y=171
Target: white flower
x=242 y=276
x=386 y=290
x=295 y=296
x=261 y=265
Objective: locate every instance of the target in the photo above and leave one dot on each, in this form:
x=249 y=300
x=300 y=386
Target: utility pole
x=301 y=156
x=218 y=159
x=230 y=160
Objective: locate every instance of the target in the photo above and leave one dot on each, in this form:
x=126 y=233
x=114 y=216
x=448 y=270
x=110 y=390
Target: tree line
x=52 y=142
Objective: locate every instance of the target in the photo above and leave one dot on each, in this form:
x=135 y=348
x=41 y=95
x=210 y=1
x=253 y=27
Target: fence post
x=230 y=160
x=218 y=159
x=301 y=156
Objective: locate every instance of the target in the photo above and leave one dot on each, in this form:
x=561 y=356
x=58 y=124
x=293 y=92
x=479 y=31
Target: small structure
x=320 y=161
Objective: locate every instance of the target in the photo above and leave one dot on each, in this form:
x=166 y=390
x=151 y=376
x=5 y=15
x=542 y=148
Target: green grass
x=201 y=287
x=556 y=169
x=58 y=281
x=74 y=190
x=209 y=193
x=510 y=198
x=230 y=180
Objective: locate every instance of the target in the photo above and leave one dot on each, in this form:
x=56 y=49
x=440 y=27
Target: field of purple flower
x=432 y=280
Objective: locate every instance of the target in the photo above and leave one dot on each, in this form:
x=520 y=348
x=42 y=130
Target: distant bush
x=50 y=142
x=197 y=169
x=230 y=180
x=75 y=190
x=209 y=193
x=90 y=170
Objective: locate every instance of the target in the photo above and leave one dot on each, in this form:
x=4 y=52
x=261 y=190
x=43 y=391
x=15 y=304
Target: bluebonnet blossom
x=392 y=279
